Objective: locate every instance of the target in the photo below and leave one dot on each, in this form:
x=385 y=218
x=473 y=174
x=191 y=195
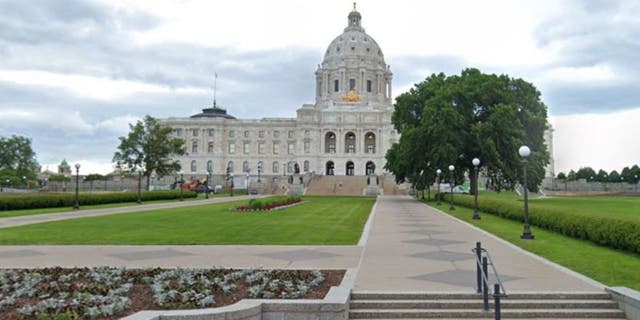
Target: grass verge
x=608 y=266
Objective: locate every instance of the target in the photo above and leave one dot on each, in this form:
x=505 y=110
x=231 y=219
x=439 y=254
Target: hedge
x=607 y=231
x=52 y=200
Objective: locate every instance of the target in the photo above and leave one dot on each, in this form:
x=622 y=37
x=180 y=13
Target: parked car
x=445 y=188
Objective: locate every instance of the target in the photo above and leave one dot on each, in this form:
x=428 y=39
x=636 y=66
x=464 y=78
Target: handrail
x=479 y=254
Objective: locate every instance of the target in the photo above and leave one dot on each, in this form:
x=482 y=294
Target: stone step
x=476 y=314
x=477 y=304
x=372 y=295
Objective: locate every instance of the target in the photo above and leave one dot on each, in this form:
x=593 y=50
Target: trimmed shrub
x=269 y=203
x=53 y=200
x=607 y=231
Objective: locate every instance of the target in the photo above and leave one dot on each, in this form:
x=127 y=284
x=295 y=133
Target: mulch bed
x=92 y=287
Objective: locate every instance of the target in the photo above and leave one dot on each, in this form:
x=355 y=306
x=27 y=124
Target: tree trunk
x=148 y=176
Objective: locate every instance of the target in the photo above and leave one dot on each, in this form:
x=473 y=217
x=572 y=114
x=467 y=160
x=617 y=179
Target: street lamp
x=247 y=184
x=76 y=205
x=636 y=178
x=422 y=179
x=451 y=168
x=438 y=173
x=181 y=183
x=259 y=171
x=206 y=195
x=231 y=185
x=622 y=183
x=476 y=163
x=140 y=187
x=524 y=152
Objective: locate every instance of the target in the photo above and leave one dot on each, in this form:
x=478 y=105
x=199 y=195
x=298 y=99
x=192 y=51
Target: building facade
x=347 y=131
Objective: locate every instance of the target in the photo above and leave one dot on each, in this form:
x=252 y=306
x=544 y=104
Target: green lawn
x=621 y=207
x=29 y=212
x=611 y=267
x=320 y=220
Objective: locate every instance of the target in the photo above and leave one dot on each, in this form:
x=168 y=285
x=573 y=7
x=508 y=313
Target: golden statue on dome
x=351 y=96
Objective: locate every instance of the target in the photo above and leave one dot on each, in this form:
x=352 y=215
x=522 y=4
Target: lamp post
x=76 y=205
x=636 y=187
x=438 y=173
x=232 y=185
x=181 y=183
x=476 y=163
x=451 y=168
x=622 y=183
x=422 y=179
x=259 y=172
x=206 y=195
x=247 y=182
x=140 y=187
x=524 y=152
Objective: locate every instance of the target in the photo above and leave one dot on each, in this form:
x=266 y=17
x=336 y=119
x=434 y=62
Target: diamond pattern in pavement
x=434 y=242
x=443 y=255
x=299 y=255
x=463 y=278
x=150 y=254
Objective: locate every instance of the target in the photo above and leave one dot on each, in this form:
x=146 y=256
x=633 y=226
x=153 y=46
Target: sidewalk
x=413 y=247
x=46 y=217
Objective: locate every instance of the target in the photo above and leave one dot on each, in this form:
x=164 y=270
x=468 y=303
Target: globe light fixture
x=524 y=152
x=451 y=169
x=76 y=205
x=476 y=163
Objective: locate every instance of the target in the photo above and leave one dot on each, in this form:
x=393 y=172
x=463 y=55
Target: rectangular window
x=369 y=85
x=276 y=147
x=276 y=134
x=352 y=84
x=246 y=147
x=232 y=147
x=211 y=131
x=291 y=147
x=246 y=134
x=261 y=134
x=290 y=134
x=194 y=146
x=232 y=134
x=195 y=131
x=307 y=146
x=336 y=85
x=210 y=147
x=179 y=132
x=260 y=147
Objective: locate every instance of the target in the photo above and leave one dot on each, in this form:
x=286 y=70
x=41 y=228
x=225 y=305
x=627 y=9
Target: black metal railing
x=483 y=261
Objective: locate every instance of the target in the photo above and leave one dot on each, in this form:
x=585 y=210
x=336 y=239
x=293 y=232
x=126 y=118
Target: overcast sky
x=74 y=73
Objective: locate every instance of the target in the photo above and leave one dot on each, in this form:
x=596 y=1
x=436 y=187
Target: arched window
x=330 y=142
x=291 y=166
x=350 y=142
x=370 y=168
x=230 y=167
x=350 y=168
x=370 y=142
x=329 y=168
x=209 y=166
x=306 y=166
x=194 y=166
x=245 y=166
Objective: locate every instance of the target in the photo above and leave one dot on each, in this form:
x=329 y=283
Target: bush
x=606 y=231
x=269 y=203
x=53 y=200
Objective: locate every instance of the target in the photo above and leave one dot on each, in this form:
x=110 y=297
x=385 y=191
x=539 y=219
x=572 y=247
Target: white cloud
x=590 y=74
x=607 y=141
x=88 y=86
x=86 y=166
x=71 y=123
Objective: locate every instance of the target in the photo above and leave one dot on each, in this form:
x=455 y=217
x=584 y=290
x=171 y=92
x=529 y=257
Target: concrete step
x=371 y=295
x=478 y=314
x=506 y=303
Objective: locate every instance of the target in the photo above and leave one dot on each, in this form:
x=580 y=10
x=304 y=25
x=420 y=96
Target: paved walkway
x=38 y=218
x=414 y=247
x=410 y=247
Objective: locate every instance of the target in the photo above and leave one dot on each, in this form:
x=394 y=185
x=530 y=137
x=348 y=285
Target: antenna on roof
x=215 y=83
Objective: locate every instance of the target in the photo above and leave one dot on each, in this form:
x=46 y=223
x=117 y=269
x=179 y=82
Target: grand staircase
x=590 y=305
x=337 y=185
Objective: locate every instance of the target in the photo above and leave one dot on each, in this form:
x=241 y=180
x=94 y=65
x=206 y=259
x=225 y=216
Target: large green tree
x=452 y=119
x=17 y=160
x=149 y=148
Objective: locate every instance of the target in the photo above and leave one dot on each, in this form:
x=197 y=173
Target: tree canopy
x=149 y=148
x=17 y=160
x=452 y=119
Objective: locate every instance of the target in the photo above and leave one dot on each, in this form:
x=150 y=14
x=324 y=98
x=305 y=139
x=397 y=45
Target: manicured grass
x=620 y=207
x=609 y=266
x=319 y=220
x=29 y=212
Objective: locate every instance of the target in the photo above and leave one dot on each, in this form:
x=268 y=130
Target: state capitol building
x=347 y=131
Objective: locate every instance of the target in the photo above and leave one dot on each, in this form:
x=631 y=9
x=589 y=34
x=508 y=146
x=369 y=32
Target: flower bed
x=269 y=204
x=110 y=293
